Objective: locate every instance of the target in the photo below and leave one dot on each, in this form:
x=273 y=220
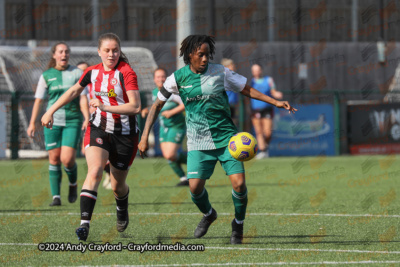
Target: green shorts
x=174 y=135
x=62 y=136
x=201 y=163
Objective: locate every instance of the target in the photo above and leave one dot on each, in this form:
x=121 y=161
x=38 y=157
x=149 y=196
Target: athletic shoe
x=108 y=187
x=237 y=233
x=205 y=223
x=73 y=193
x=82 y=231
x=56 y=202
x=122 y=219
x=107 y=181
x=261 y=155
x=183 y=183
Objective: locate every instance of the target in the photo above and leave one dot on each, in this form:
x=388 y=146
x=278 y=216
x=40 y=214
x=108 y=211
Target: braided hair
x=194 y=42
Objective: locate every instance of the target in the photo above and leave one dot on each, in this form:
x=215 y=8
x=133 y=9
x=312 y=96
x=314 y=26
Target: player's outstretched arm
x=68 y=96
x=254 y=93
x=151 y=118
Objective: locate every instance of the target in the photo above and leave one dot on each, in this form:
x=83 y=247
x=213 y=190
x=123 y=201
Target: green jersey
x=208 y=119
x=176 y=121
x=55 y=82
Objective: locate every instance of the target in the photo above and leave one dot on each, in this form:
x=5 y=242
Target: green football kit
x=208 y=119
x=67 y=121
x=172 y=129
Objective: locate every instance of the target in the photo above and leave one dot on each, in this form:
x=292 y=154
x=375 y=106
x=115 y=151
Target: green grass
x=285 y=197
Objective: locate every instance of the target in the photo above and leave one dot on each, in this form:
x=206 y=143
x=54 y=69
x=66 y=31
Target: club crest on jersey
x=99 y=141
x=113 y=81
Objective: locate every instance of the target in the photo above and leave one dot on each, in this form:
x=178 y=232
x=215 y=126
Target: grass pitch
x=313 y=211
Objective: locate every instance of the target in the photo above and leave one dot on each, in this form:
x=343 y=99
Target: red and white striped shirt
x=90 y=92
x=110 y=88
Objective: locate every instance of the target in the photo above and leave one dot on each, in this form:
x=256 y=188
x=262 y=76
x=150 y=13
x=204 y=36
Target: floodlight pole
x=95 y=10
x=31 y=5
x=124 y=11
x=211 y=17
x=2 y=17
x=299 y=40
x=270 y=19
x=381 y=21
x=354 y=20
x=184 y=25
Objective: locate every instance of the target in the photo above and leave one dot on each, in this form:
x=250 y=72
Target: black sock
x=88 y=200
x=122 y=202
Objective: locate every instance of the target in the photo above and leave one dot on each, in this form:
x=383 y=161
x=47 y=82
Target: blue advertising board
x=308 y=132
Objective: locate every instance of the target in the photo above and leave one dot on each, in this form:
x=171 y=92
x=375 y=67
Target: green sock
x=55 y=179
x=201 y=201
x=182 y=158
x=72 y=174
x=177 y=168
x=240 y=203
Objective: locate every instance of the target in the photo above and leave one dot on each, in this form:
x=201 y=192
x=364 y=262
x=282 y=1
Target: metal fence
x=228 y=20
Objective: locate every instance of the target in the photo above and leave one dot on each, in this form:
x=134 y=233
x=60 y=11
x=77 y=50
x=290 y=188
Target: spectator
x=262 y=112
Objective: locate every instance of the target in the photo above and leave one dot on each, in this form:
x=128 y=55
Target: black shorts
x=121 y=148
x=233 y=113
x=266 y=113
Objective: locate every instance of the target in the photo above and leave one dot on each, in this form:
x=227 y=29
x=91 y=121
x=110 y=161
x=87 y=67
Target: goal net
x=21 y=67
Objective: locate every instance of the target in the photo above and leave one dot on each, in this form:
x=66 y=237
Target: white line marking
x=260 y=249
x=324 y=215
x=275 y=263
x=272 y=263
x=306 y=249
x=264 y=263
x=196 y=214
x=17 y=244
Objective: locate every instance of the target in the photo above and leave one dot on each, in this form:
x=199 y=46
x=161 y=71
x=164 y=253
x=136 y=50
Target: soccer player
x=202 y=87
x=262 y=112
x=90 y=95
x=172 y=128
x=82 y=65
x=112 y=133
x=62 y=141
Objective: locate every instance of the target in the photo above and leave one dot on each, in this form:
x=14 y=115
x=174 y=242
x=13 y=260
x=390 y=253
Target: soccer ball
x=243 y=146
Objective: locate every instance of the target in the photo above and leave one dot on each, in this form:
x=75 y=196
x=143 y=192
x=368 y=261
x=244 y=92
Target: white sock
x=85 y=221
x=74 y=184
x=238 y=222
x=56 y=196
x=183 y=178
